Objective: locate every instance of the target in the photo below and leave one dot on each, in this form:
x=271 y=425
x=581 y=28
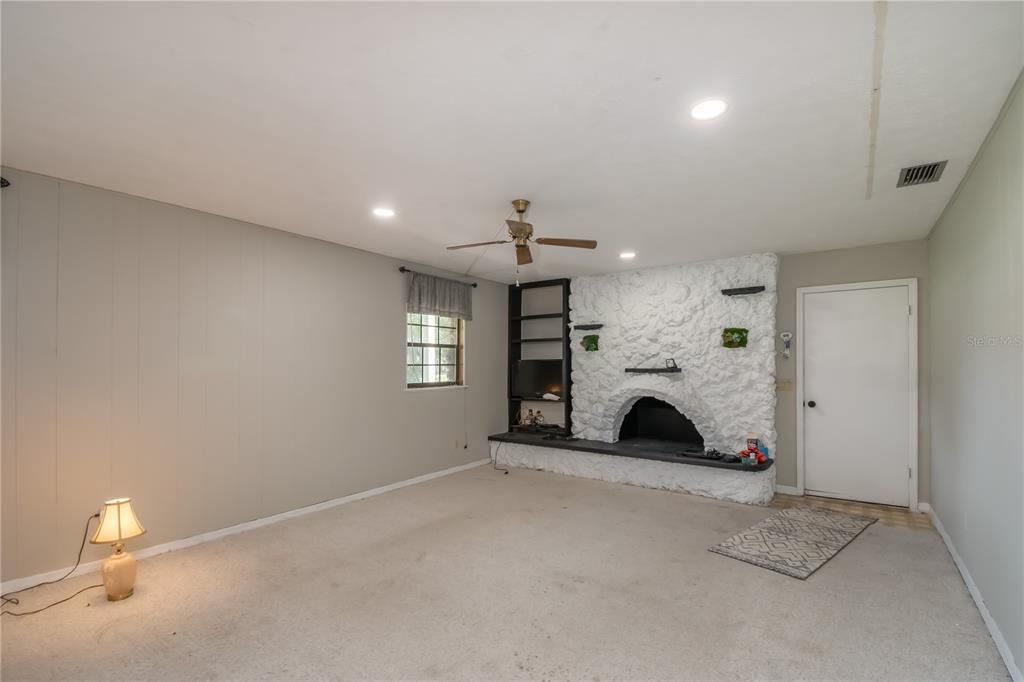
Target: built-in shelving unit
x=538 y=331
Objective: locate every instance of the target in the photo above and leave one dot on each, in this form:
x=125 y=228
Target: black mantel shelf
x=741 y=291
x=653 y=370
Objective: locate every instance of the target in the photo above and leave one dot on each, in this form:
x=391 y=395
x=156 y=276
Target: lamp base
x=119 y=574
x=111 y=597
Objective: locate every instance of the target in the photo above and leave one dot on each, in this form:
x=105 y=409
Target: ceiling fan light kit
x=520 y=233
x=523 y=255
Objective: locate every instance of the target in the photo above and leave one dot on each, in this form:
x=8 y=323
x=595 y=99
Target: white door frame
x=911 y=284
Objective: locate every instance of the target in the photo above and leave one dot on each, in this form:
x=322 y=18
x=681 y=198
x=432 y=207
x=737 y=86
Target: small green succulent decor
x=589 y=342
x=734 y=337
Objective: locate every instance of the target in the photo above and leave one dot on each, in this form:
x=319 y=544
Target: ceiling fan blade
x=575 y=243
x=523 y=255
x=466 y=246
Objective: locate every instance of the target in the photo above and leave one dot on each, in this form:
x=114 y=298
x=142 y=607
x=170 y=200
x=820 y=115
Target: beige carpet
x=530 y=575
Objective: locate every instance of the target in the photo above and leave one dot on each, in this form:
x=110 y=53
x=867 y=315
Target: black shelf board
x=587 y=327
x=541 y=316
x=541 y=284
x=540 y=340
x=741 y=291
x=555 y=429
x=536 y=398
x=653 y=370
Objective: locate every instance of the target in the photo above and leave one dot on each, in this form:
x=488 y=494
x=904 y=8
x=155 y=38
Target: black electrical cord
x=29 y=613
x=8 y=599
x=496 y=451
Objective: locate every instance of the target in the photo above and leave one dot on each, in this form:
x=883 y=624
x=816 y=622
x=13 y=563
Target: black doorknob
x=811 y=403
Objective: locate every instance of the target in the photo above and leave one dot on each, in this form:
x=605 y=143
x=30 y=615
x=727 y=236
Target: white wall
x=977 y=364
x=213 y=370
x=678 y=312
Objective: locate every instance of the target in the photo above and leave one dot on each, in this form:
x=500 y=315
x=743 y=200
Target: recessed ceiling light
x=708 y=109
x=627 y=255
x=384 y=212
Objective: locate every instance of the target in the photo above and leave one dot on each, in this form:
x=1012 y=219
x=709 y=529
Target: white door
x=859 y=392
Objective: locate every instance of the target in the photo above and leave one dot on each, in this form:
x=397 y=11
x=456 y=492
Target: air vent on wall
x=919 y=175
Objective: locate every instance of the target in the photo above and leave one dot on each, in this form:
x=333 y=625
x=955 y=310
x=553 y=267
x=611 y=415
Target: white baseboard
x=993 y=627
x=788 y=490
x=28 y=581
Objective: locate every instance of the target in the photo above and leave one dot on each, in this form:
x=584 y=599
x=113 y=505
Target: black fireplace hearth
x=652 y=429
x=640 y=448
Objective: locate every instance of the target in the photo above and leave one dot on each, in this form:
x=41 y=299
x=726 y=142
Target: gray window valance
x=431 y=295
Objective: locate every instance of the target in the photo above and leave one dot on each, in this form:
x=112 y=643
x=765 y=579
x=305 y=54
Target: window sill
x=426 y=389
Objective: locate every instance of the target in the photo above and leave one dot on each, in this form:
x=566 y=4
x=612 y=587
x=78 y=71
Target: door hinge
x=910 y=472
x=910 y=310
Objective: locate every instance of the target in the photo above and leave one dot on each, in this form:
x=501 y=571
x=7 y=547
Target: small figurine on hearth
x=752 y=456
x=756 y=450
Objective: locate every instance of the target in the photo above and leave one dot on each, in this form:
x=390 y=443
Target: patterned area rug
x=795 y=542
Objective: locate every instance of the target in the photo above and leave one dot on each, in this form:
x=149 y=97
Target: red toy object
x=756 y=455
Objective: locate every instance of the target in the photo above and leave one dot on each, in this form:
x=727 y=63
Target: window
x=434 y=351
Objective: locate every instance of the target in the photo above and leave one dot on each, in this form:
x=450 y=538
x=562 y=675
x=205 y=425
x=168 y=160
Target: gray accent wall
x=898 y=260
x=214 y=371
x=977 y=368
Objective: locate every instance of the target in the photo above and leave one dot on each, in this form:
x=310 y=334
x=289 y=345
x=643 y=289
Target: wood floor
x=896 y=517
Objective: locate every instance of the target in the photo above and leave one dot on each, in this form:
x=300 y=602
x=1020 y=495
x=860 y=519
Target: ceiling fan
x=521 y=234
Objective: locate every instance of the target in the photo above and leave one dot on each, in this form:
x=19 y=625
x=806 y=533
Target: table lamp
x=117 y=524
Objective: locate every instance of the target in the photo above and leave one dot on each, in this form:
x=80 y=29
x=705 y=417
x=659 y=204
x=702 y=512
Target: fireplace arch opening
x=653 y=419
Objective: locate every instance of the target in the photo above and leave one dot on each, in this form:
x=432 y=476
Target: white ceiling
x=305 y=116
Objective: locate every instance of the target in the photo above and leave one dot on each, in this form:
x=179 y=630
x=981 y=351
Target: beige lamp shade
x=117 y=522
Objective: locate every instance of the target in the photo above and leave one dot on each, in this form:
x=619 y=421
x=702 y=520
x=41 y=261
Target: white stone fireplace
x=678 y=313
x=649 y=318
